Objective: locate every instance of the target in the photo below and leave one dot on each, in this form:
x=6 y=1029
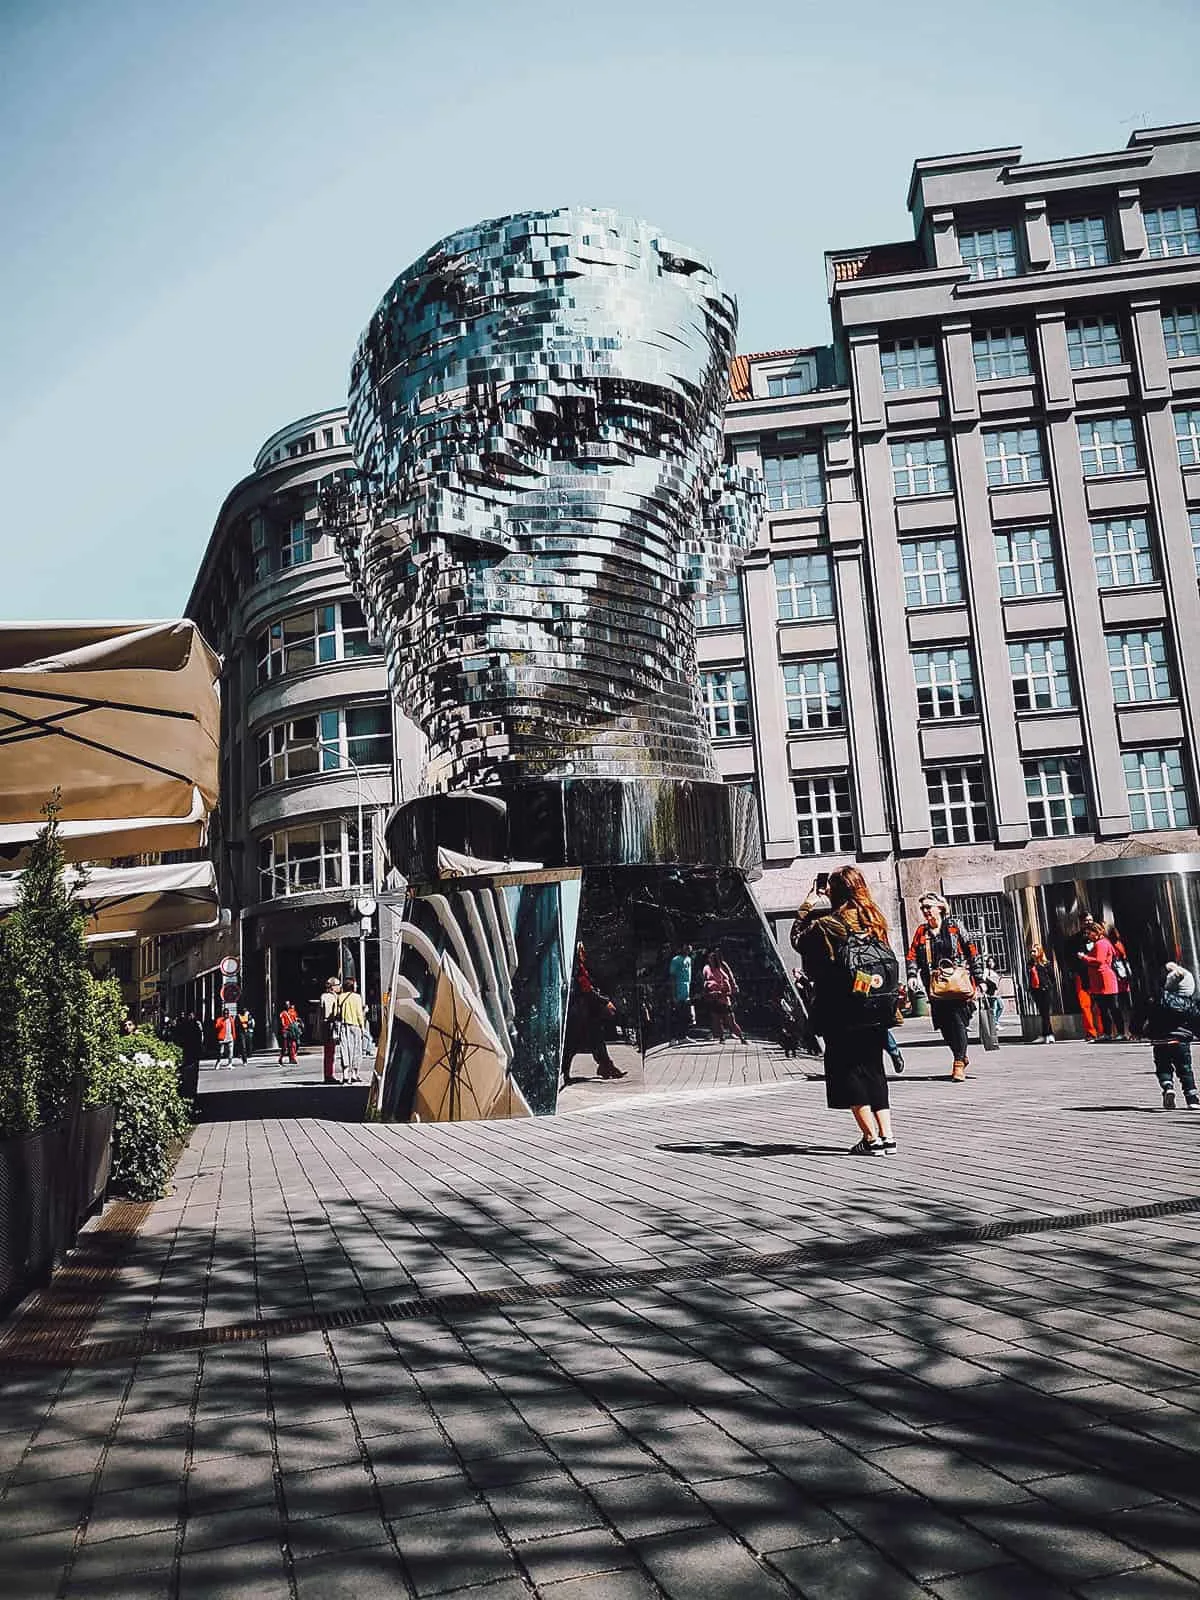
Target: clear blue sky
x=203 y=200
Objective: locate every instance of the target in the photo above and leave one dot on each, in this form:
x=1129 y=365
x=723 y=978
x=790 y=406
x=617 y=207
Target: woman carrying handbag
x=944 y=961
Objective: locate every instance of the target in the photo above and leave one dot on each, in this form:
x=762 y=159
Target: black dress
x=854 y=1074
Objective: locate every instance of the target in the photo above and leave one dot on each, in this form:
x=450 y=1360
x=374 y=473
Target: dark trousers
x=1109 y=1010
x=1173 y=1058
x=950 y=1018
x=1042 y=996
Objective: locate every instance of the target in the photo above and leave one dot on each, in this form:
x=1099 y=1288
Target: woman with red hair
x=853 y=925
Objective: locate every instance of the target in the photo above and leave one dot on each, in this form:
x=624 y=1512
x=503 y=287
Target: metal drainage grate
x=418 y=1308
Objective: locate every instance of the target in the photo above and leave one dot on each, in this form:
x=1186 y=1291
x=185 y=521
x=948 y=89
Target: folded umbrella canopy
x=122 y=718
x=118 y=836
x=125 y=903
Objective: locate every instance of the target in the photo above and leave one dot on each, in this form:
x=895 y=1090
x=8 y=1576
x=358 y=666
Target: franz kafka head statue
x=536 y=413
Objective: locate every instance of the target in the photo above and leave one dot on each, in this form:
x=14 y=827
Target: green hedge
x=138 y=1075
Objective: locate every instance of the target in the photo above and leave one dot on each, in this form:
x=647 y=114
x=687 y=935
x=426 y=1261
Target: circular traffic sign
x=230 y=967
x=231 y=992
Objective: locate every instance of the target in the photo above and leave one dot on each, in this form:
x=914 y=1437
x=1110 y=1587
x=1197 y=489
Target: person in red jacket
x=1041 y=981
x=1096 y=958
x=225 y=1027
x=289 y=1031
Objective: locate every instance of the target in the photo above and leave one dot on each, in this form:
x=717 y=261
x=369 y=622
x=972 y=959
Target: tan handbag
x=948 y=981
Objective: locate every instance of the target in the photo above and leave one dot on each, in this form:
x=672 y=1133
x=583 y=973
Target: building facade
x=312 y=753
x=968 y=641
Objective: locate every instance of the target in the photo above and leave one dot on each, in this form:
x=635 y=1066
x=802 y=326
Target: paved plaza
x=674 y=1342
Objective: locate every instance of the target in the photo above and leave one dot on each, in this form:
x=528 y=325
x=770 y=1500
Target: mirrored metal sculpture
x=536 y=409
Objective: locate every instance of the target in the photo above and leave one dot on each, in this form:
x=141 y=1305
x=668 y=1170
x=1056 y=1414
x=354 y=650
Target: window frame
x=1187 y=438
x=1106 y=338
x=957 y=684
x=948 y=575
x=1177 y=793
x=821 y=702
x=1132 y=668
x=909 y=363
x=995 y=257
x=824 y=829
x=803 y=490
x=1068 y=804
x=985 y=346
x=1034 y=562
x=1181 y=335
x=938 y=476
x=1128 y=450
x=1138 y=551
x=1187 y=232
x=733 y=707
x=1024 y=463
x=1073 y=249
x=973 y=803
x=1045 y=659
x=789 y=586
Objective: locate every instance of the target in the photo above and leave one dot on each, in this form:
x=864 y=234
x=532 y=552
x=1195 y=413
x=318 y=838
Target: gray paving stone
x=848 y=1570
x=947 y=1477
x=1061 y=1548
x=652 y=1503
x=921 y=1540
x=769 y=1512
x=707 y=1564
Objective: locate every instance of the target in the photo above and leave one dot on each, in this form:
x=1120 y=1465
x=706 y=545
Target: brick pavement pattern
x=728 y=1358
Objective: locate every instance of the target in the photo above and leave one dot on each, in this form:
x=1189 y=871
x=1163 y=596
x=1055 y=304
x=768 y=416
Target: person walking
x=289 y=1032
x=329 y=1026
x=352 y=1026
x=188 y=1034
x=944 y=961
x=679 y=979
x=1041 y=983
x=856 y=988
x=1097 y=957
x=245 y=1034
x=595 y=1011
x=1172 y=1027
x=226 y=1031
x=720 y=990
x=991 y=1006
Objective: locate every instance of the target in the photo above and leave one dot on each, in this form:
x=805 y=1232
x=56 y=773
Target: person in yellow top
x=352 y=1029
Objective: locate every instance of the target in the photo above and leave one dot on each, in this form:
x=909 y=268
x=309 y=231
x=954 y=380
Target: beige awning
x=126 y=903
x=122 y=718
x=119 y=836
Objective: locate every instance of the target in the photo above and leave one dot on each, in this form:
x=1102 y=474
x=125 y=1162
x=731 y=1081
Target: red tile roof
x=739 y=370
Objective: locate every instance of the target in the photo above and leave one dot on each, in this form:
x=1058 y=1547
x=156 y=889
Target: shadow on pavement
x=739 y=1147
x=333 y=1102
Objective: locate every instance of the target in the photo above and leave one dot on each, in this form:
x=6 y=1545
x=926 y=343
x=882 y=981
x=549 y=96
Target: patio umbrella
x=119 y=836
x=462 y=1075
x=122 y=718
x=125 y=903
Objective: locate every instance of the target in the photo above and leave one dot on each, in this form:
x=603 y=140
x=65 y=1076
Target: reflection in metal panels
x=536 y=411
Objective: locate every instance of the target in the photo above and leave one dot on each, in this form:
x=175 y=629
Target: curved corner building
x=308 y=743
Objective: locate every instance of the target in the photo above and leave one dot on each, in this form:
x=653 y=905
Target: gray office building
x=968 y=641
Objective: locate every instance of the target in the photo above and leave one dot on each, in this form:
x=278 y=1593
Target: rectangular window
x=726 y=700
x=958 y=810
x=931 y=572
x=989 y=252
x=356 y=638
x=909 y=364
x=1157 y=792
x=1107 y=445
x=813 y=695
x=824 y=815
x=1194 y=523
x=920 y=466
x=1187 y=437
x=720 y=608
x=1025 y=561
x=1181 y=331
x=1137 y=664
x=1094 y=342
x=1121 y=547
x=1173 y=231
x=369 y=735
x=784 y=384
x=1001 y=353
x=297 y=545
x=1056 y=794
x=803 y=587
x=327 y=438
x=288 y=750
x=1080 y=242
x=307 y=638
x=301 y=860
x=260 y=553
x=945 y=683
x=1041 y=676
x=794 y=477
x=1013 y=455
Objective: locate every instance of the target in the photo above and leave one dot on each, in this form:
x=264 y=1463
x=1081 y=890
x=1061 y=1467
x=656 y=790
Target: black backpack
x=872 y=982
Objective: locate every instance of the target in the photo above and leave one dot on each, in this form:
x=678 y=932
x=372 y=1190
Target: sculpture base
x=486 y=1007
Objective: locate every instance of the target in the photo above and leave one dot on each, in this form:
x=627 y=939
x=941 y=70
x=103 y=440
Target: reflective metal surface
x=1152 y=901
x=536 y=411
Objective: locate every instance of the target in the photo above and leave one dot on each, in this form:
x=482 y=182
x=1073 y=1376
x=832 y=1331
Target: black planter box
x=49 y=1182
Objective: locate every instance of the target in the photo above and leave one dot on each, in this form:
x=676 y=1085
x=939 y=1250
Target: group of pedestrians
x=343 y=1031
